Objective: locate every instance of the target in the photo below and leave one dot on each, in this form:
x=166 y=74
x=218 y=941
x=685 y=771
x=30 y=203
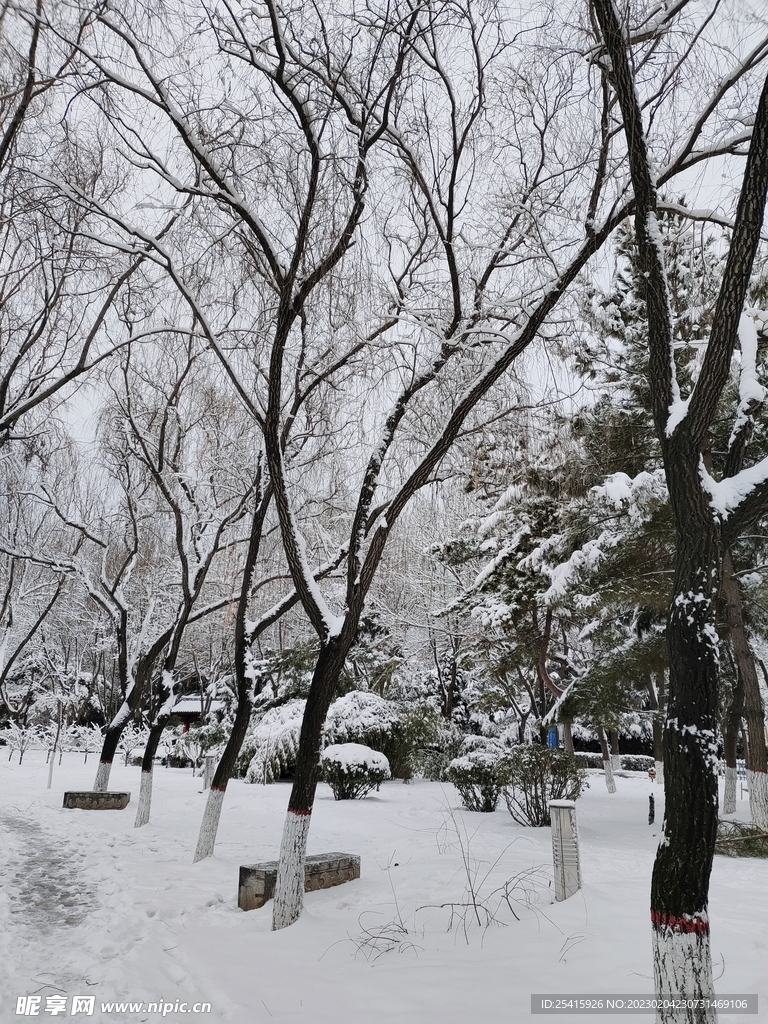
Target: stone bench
x=90 y=801
x=321 y=871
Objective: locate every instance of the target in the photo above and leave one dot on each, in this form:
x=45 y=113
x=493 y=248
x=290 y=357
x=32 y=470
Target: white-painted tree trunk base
x=659 y=766
x=729 y=791
x=145 y=800
x=289 y=886
x=209 y=826
x=757 y=782
x=616 y=762
x=682 y=966
x=610 y=782
x=101 y=785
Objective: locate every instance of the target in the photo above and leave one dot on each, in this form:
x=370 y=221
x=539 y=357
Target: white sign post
x=565 y=848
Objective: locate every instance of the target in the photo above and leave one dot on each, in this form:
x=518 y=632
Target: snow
x=678 y=410
x=355 y=755
x=726 y=495
x=750 y=389
x=90 y=906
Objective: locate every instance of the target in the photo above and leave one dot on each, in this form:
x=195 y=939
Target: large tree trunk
x=289 y=887
x=680 y=886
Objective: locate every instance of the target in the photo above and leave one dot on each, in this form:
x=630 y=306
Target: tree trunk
x=757 y=780
x=109 y=748
x=747 y=691
x=656 y=701
x=289 y=887
x=147 y=768
x=615 y=755
x=680 y=886
x=568 y=737
x=206 y=839
x=731 y=726
x=610 y=782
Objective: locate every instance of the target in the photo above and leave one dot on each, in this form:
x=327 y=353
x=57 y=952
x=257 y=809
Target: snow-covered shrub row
x=479 y=775
x=637 y=762
x=629 y=762
x=536 y=775
x=590 y=758
x=352 y=770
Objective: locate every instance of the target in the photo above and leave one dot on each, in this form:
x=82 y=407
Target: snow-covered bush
x=399 y=730
x=352 y=770
x=479 y=776
x=362 y=717
x=537 y=775
x=274 y=743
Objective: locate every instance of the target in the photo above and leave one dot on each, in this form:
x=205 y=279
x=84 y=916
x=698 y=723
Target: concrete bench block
x=321 y=871
x=90 y=801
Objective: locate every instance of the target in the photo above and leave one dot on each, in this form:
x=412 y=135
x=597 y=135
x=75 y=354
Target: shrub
x=400 y=731
x=479 y=776
x=362 y=717
x=352 y=770
x=537 y=775
x=275 y=743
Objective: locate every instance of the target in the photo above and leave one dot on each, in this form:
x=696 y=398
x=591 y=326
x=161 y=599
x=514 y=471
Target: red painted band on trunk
x=220 y=789
x=300 y=810
x=757 y=771
x=685 y=923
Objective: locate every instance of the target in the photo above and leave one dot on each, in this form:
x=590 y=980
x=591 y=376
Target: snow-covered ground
x=91 y=906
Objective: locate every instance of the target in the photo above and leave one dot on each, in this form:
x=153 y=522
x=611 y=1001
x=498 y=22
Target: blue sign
x=552 y=737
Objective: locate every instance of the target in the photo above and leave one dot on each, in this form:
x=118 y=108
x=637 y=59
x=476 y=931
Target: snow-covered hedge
x=629 y=762
x=352 y=770
x=479 y=775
